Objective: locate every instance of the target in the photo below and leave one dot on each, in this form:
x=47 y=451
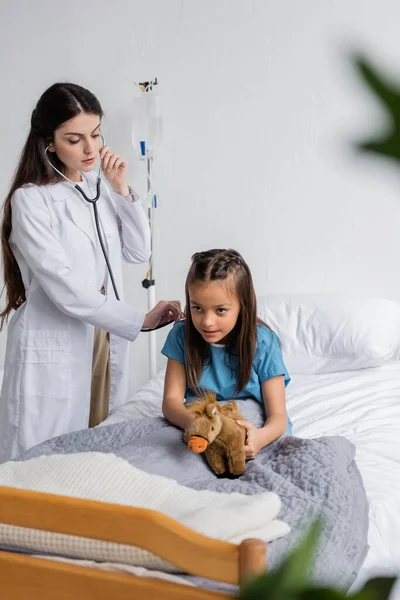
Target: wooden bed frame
x=34 y=578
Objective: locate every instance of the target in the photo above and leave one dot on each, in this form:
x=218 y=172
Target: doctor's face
x=77 y=143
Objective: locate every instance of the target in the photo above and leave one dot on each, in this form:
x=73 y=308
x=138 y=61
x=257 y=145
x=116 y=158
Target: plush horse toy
x=215 y=432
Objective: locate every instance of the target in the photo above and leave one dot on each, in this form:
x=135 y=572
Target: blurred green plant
x=388 y=93
x=291 y=580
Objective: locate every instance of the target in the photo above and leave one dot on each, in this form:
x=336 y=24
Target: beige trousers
x=100 y=388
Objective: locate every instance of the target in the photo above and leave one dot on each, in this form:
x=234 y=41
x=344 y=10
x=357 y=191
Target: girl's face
x=77 y=143
x=214 y=309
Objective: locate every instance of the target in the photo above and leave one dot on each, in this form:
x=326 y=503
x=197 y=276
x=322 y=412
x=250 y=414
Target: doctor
x=66 y=363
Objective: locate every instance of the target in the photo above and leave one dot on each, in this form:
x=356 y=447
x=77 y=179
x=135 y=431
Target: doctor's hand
x=163 y=312
x=114 y=168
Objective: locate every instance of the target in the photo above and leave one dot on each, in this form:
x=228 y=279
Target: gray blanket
x=312 y=477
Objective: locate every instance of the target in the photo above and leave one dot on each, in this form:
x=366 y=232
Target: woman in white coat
x=67 y=344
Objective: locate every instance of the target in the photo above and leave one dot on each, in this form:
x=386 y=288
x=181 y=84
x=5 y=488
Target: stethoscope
x=93 y=202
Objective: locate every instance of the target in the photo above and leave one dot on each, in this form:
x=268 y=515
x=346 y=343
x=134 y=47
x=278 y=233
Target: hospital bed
x=343 y=354
x=362 y=405
x=344 y=357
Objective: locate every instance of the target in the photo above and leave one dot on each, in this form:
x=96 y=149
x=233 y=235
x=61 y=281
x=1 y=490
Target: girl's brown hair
x=222 y=265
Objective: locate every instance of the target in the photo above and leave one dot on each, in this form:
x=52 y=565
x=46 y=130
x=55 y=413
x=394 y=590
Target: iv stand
x=150 y=282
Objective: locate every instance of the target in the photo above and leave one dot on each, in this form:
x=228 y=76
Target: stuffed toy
x=215 y=432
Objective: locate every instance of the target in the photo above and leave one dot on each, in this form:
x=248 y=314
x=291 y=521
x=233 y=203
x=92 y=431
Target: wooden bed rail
x=188 y=550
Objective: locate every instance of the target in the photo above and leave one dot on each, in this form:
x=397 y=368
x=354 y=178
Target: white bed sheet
x=364 y=407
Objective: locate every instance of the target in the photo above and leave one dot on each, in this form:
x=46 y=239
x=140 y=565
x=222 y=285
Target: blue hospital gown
x=219 y=374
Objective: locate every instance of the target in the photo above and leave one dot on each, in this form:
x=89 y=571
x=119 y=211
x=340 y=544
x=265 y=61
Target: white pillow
x=325 y=333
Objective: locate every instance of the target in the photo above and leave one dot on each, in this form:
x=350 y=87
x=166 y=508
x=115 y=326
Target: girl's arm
x=274 y=395
x=174 y=395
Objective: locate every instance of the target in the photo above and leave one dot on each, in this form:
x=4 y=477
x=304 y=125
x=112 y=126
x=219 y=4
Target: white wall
x=260 y=106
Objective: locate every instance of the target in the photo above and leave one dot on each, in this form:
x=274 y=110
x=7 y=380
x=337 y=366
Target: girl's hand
x=114 y=168
x=253 y=443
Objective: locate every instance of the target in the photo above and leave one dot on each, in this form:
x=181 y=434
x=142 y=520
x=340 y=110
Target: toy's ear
x=212 y=410
x=230 y=407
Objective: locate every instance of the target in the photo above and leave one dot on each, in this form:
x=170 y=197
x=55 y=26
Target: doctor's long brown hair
x=58 y=104
x=230 y=267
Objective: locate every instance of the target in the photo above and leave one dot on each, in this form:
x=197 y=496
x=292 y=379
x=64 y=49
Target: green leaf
x=261 y=587
x=291 y=577
x=388 y=93
x=378 y=588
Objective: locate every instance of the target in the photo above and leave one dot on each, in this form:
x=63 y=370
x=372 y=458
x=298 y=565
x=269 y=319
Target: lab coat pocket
x=44 y=347
x=44 y=386
x=45 y=366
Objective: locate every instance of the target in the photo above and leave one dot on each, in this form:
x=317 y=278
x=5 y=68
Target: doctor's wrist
x=122 y=190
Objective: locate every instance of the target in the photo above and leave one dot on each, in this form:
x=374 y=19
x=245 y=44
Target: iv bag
x=147 y=122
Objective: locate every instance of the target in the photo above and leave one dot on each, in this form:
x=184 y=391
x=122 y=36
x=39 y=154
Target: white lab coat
x=48 y=363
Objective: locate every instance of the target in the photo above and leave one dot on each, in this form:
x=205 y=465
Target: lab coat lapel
x=76 y=208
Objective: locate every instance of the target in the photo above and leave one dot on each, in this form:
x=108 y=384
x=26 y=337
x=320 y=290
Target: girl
x=222 y=347
x=60 y=374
